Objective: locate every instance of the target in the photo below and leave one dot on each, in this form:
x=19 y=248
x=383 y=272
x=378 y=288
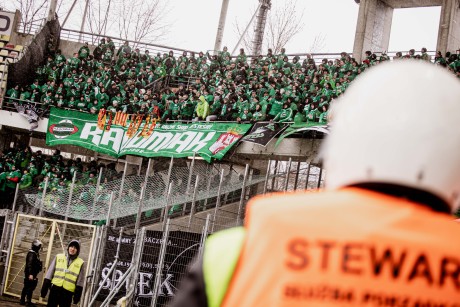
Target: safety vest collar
x=220 y=258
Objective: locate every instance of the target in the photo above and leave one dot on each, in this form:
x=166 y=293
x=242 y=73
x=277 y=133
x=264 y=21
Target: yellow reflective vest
x=66 y=276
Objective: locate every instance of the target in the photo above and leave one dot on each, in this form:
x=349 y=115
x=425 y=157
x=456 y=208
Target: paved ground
x=6 y=301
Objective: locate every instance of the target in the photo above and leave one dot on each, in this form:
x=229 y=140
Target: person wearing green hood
x=202 y=109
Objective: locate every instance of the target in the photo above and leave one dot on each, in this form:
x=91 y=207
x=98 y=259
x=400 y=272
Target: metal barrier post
x=308 y=176
x=15 y=197
x=69 y=202
x=110 y=209
x=208 y=188
x=96 y=259
x=274 y=175
x=204 y=236
x=111 y=271
x=296 y=179
x=136 y=263
x=161 y=258
x=190 y=174
x=122 y=184
x=319 y=177
x=192 y=209
x=168 y=196
x=170 y=171
x=139 y=209
x=42 y=201
x=98 y=184
x=216 y=208
x=267 y=176
x=13 y=224
x=243 y=196
x=286 y=182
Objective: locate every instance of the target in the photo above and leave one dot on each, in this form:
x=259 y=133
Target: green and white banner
x=209 y=140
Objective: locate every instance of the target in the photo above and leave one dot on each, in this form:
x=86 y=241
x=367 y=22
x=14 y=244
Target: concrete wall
x=68 y=48
x=449 y=26
x=373 y=27
x=375 y=17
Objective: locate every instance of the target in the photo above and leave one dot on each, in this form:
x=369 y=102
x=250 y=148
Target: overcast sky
x=193 y=24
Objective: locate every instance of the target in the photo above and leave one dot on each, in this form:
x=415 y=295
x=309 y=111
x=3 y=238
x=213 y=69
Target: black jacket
x=33 y=264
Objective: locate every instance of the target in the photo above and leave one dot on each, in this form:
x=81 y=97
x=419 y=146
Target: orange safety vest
x=350 y=247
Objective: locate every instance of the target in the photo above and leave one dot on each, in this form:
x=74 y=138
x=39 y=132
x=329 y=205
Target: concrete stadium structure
x=375 y=19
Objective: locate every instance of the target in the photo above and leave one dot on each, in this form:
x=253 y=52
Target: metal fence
x=143 y=262
x=133 y=201
x=55 y=235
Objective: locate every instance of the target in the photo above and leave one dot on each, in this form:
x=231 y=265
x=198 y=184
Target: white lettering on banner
x=116 y=140
x=91 y=130
x=159 y=140
x=199 y=143
x=181 y=142
x=145 y=282
x=145 y=289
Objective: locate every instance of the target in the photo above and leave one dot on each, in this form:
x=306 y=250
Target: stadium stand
x=200 y=87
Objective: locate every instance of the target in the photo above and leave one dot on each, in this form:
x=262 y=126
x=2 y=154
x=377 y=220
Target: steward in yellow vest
x=65 y=277
x=381 y=234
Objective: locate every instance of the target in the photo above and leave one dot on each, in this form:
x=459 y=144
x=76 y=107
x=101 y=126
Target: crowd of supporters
x=211 y=87
x=30 y=169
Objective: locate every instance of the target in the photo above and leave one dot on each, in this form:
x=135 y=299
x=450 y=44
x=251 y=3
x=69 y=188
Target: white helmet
x=398 y=124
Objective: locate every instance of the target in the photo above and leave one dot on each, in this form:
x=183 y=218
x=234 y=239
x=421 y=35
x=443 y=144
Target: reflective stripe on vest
x=350 y=247
x=64 y=276
x=219 y=261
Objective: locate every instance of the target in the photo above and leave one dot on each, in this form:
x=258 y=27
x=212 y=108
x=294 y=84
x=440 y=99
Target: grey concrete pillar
x=449 y=27
x=373 y=27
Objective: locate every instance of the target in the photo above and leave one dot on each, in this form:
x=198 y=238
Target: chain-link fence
x=190 y=188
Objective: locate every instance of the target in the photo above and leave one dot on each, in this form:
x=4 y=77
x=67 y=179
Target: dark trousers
x=27 y=291
x=59 y=297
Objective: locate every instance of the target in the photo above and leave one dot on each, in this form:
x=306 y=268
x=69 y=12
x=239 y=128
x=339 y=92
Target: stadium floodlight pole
x=16 y=191
x=259 y=30
x=267 y=176
x=69 y=202
x=246 y=30
x=82 y=28
x=221 y=26
x=216 y=208
x=243 y=196
x=286 y=176
x=192 y=209
x=42 y=201
x=190 y=174
x=52 y=10
x=68 y=14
